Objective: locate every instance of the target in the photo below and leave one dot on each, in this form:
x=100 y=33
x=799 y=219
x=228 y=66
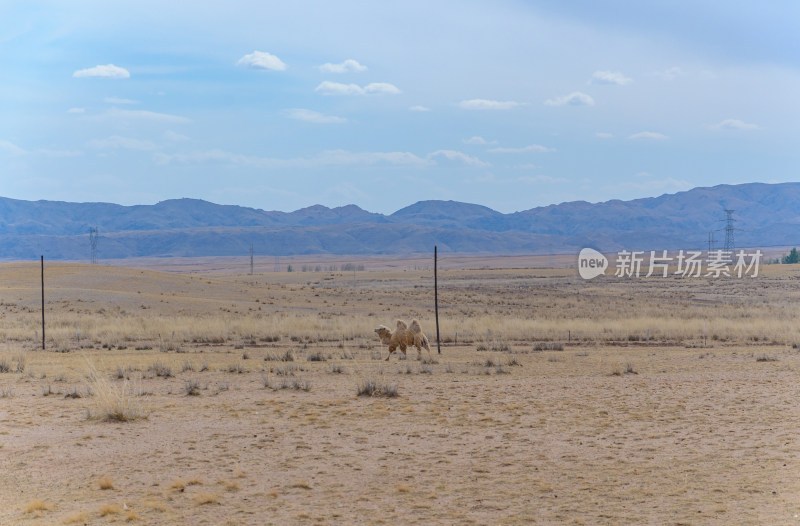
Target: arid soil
x=684 y=412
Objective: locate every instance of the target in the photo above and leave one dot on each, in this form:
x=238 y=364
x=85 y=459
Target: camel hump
x=401 y=325
x=415 y=328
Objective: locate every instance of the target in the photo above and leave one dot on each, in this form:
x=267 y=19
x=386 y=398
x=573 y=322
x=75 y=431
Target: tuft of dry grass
x=155 y=505
x=204 y=497
x=113 y=403
x=192 y=388
x=36 y=505
x=301 y=484
x=232 y=485
x=177 y=485
x=76 y=517
x=377 y=388
x=105 y=482
x=110 y=509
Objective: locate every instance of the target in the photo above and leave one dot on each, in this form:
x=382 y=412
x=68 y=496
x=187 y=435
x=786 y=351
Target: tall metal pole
x=42 y=302
x=436 y=296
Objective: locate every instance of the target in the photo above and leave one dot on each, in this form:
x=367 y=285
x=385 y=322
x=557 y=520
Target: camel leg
x=391 y=350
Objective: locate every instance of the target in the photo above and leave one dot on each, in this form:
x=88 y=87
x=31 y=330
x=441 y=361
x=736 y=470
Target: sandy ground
x=559 y=439
x=610 y=433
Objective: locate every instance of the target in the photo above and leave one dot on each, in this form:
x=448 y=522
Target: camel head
x=384 y=334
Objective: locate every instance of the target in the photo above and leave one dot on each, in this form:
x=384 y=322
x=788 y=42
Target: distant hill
x=766 y=214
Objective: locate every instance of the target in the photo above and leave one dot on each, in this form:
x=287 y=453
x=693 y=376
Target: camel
x=404 y=336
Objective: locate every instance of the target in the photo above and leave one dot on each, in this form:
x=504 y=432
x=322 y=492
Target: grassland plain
x=219 y=398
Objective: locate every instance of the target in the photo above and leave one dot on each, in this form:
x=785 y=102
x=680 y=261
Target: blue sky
x=281 y=105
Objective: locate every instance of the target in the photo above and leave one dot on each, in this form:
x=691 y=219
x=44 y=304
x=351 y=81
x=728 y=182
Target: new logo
x=591 y=263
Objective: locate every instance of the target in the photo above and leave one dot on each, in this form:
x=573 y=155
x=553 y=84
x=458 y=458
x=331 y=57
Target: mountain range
x=764 y=215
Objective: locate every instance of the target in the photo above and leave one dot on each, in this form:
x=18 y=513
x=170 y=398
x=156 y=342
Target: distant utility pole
x=730 y=244
x=436 y=296
x=277 y=267
x=93 y=243
x=251 y=259
x=710 y=241
x=43 y=303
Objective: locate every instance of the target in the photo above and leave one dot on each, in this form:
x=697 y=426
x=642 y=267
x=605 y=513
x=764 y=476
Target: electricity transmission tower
x=730 y=243
x=251 y=259
x=93 y=243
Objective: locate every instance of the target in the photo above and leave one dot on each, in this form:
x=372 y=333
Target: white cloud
x=643 y=174
x=337 y=88
x=381 y=87
x=734 y=124
x=10 y=147
x=648 y=135
x=117 y=142
x=76 y=110
x=604 y=135
x=484 y=104
x=670 y=74
x=204 y=156
x=475 y=140
x=346 y=157
x=576 y=98
x=530 y=148
x=109 y=71
x=144 y=115
x=262 y=60
x=313 y=116
x=453 y=155
x=175 y=137
x=326 y=158
x=117 y=100
x=610 y=77
x=347 y=66
x=419 y=108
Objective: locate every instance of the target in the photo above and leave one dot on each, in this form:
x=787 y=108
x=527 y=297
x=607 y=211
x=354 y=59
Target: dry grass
x=205 y=497
x=183 y=310
x=105 y=482
x=78 y=517
x=113 y=403
x=370 y=387
x=36 y=505
x=109 y=509
x=301 y=484
x=672 y=436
